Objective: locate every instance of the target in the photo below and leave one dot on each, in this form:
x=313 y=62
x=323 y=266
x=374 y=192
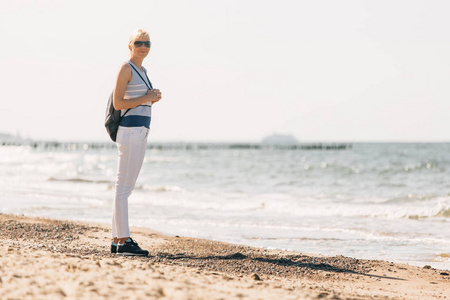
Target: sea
x=387 y=201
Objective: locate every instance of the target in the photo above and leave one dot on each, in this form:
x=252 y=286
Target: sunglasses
x=140 y=43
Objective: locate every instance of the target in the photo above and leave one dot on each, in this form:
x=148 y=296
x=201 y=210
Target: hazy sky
x=235 y=70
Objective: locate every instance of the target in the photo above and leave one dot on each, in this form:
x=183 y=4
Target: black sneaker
x=113 y=247
x=131 y=248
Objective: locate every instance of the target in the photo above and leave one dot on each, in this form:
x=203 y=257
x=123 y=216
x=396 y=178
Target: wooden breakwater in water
x=52 y=145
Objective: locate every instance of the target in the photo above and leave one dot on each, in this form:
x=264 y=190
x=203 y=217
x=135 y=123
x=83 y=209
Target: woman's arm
x=122 y=80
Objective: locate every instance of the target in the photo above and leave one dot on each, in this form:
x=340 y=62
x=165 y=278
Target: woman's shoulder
x=125 y=69
x=125 y=66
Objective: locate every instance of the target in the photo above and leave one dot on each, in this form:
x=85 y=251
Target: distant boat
x=280 y=139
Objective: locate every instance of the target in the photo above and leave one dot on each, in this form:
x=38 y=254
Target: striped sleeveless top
x=140 y=115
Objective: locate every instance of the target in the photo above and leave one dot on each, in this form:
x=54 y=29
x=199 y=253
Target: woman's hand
x=154 y=95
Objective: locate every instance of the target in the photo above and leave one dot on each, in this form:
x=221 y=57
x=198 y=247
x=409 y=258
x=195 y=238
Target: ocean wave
x=163 y=188
x=292 y=206
x=445 y=255
x=443 y=213
x=161 y=159
x=82 y=180
x=428 y=207
x=293 y=238
x=399 y=168
x=411 y=198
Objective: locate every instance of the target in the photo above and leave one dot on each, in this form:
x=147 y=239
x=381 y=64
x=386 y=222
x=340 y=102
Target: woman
x=134 y=96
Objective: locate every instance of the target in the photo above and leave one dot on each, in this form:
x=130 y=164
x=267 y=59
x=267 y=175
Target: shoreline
x=59 y=259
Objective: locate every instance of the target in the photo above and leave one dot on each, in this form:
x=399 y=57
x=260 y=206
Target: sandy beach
x=56 y=259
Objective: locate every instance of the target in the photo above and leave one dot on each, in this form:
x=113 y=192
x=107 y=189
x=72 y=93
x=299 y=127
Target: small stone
x=236 y=255
x=444 y=273
x=427 y=267
x=160 y=292
x=61 y=292
x=90 y=283
x=255 y=277
x=322 y=295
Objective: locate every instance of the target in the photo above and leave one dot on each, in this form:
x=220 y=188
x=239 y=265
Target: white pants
x=131 y=143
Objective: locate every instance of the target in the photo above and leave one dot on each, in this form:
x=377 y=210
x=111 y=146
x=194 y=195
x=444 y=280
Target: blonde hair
x=137 y=34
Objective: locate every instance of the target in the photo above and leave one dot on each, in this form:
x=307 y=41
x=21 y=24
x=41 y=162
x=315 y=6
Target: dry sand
x=52 y=259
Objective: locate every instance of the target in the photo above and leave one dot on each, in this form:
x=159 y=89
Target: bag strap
x=149 y=87
x=125 y=112
x=143 y=81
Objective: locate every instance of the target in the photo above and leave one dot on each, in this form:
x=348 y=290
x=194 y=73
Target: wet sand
x=55 y=259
